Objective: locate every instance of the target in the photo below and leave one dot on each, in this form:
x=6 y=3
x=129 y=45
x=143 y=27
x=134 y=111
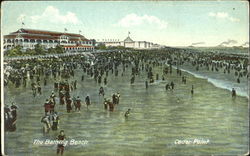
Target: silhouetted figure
x=192 y=90
x=233 y=92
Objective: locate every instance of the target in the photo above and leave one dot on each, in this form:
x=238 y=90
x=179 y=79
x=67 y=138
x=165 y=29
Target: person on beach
x=55 y=121
x=39 y=89
x=238 y=80
x=60 y=146
x=47 y=106
x=10 y=117
x=61 y=97
x=34 y=87
x=46 y=124
x=75 y=84
x=101 y=91
x=52 y=105
x=105 y=103
x=87 y=101
x=105 y=80
x=146 y=84
x=55 y=85
x=45 y=82
x=114 y=99
x=157 y=76
x=162 y=78
x=7 y=118
x=53 y=97
x=233 y=92
x=69 y=105
x=127 y=113
x=167 y=87
x=192 y=90
x=82 y=77
x=132 y=80
x=111 y=105
x=78 y=104
x=172 y=85
x=118 y=95
x=184 y=79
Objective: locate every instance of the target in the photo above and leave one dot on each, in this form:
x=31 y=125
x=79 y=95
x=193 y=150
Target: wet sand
x=158 y=118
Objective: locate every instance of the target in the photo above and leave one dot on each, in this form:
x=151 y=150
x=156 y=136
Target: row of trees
x=38 y=50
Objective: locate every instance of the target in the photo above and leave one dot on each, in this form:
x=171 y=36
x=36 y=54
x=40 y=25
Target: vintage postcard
x=124 y=78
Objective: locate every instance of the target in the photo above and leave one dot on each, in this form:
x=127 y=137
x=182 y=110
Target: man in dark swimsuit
x=233 y=92
x=87 y=101
x=127 y=113
x=60 y=147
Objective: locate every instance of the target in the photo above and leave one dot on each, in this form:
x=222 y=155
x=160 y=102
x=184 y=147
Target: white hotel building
x=129 y=43
x=28 y=38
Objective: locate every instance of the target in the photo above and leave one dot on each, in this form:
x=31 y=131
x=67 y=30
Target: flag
x=23 y=24
x=65 y=29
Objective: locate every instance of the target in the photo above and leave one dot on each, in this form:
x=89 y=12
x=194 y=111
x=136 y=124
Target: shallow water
x=158 y=118
x=220 y=79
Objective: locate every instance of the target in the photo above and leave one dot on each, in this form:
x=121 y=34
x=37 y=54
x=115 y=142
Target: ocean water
x=158 y=118
x=219 y=79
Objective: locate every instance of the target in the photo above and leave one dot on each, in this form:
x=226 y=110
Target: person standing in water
x=60 y=146
x=233 y=92
x=87 y=101
x=78 y=104
x=172 y=85
x=127 y=113
x=192 y=90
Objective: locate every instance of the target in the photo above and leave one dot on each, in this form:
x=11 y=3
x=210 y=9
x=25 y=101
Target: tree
x=39 y=49
x=30 y=52
x=101 y=47
x=51 y=51
x=59 y=49
x=16 y=51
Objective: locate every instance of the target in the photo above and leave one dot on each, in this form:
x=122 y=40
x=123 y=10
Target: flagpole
x=22 y=24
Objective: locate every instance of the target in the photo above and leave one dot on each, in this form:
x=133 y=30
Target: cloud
x=229 y=42
x=246 y=44
x=197 y=43
x=131 y=20
x=223 y=15
x=52 y=15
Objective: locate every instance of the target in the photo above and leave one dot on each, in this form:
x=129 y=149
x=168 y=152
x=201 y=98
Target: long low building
x=28 y=38
x=129 y=43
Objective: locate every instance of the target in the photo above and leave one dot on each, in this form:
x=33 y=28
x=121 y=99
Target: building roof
x=85 y=46
x=43 y=34
x=128 y=39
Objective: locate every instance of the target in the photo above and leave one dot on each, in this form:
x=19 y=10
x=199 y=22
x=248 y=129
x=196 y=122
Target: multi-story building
x=129 y=43
x=28 y=38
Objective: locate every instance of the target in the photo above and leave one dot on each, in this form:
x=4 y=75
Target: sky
x=170 y=23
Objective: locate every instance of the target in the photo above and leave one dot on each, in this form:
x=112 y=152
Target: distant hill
x=221 y=49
